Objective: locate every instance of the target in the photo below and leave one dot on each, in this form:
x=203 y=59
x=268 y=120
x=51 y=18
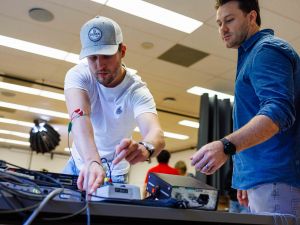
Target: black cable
x=22 y=181
x=69 y=216
x=35 y=172
x=10 y=203
x=22 y=194
x=42 y=204
x=104 y=160
x=19 y=209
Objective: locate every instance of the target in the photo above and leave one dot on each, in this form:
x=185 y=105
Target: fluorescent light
x=40 y=50
x=100 y=1
x=18 y=134
x=32 y=91
x=176 y=136
x=189 y=123
x=67 y=149
x=169 y=134
x=10 y=141
x=199 y=91
x=155 y=14
x=16 y=122
x=34 y=110
x=72 y=58
x=33 y=48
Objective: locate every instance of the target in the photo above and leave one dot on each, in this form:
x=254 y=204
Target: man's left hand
x=131 y=150
x=209 y=158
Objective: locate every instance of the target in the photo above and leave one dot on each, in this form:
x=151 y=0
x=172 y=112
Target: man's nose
x=223 y=29
x=100 y=62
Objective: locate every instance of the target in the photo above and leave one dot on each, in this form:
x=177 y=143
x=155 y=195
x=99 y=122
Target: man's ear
x=253 y=16
x=123 y=50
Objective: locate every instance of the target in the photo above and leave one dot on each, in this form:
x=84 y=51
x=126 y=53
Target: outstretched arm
x=83 y=136
x=211 y=156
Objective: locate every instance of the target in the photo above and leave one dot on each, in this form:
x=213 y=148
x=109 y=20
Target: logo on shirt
x=95 y=34
x=119 y=110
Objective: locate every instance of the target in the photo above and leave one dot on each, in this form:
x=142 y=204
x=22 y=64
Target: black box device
x=195 y=193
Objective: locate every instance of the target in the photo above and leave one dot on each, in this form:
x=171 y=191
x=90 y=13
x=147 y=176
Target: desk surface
x=113 y=213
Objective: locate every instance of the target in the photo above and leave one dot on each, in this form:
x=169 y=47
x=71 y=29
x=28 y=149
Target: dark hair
x=163 y=156
x=244 y=5
x=120 y=47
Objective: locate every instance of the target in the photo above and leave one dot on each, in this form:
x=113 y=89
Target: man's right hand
x=242 y=197
x=91 y=177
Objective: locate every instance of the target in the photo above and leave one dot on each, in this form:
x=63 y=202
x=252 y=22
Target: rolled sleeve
x=273 y=84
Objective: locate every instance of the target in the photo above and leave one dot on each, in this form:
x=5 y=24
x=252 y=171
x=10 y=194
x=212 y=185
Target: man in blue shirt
x=265 y=144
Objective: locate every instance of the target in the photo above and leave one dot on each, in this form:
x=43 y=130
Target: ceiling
x=165 y=79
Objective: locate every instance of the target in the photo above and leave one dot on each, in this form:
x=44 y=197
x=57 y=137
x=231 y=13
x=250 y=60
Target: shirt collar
x=254 y=38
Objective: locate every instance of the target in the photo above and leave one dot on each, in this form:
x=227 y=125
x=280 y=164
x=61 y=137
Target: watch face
x=150 y=148
x=229 y=148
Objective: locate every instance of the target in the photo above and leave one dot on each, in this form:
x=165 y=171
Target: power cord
x=42 y=204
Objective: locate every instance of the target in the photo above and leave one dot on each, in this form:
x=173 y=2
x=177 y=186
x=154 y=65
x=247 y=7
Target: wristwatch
x=149 y=147
x=229 y=148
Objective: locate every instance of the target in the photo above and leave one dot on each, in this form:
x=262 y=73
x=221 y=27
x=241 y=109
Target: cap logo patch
x=95 y=34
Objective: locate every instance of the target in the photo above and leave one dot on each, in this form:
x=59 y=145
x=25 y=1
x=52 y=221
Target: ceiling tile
x=182 y=55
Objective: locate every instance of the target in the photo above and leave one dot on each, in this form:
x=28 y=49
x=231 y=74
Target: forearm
x=155 y=137
x=256 y=131
x=83 y=136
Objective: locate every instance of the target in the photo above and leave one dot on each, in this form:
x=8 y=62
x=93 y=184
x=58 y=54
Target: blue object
x=268 y=83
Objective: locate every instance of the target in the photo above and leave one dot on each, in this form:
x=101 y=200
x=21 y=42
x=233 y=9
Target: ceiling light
x=10 y=141
x=155 y=14
x=16 y=122
x=147 y=45
x=176 y=136
x=32 y=91
x=169 y=134
x=18 y=134
x=34 y=110
x=33 y=48
x=189 y=123
x=40 y=50
x=41 y=15
x=199 y=91
x=67 y=149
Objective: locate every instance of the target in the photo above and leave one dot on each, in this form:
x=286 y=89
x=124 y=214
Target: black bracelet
x=100 y=164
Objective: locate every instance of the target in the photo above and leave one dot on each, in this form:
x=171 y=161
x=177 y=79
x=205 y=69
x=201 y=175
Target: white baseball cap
x=100 y=36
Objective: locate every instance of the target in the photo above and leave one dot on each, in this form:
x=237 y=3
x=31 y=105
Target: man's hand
x=209 y=158
x=131 y=150
x=91 y=177
x=242 y=197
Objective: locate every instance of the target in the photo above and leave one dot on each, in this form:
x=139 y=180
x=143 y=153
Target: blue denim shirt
x=268 y=83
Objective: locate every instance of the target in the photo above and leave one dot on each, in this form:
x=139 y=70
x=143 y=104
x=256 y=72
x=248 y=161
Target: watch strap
x=149 y=147
x=229 y=147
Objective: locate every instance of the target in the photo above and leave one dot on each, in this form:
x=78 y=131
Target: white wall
x=38 y=162
x=136 y=176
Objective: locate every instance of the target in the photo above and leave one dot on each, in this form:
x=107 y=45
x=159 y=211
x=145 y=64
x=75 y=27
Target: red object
x=162 y=168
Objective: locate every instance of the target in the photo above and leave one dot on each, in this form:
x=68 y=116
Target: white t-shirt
x=113 y=110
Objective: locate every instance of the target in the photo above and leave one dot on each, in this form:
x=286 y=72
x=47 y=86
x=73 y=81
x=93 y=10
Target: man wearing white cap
x=105 y=102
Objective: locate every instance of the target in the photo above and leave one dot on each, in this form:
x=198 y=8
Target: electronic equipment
x=193 y=192
x=68 y=181
x=115 y=190
x=42 y=191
